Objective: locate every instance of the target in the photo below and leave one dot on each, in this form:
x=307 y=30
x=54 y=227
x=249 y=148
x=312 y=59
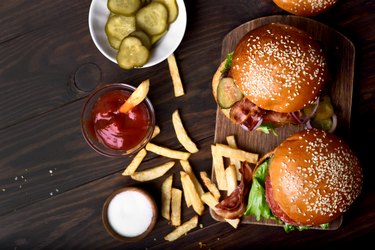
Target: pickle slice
x=172 y=9
x=145 y=39
x=156 y=38
x=132 y=53
x=228 y=93
x=119 y=27
x=153 y=18
x=124 y=7
x=114 y=42
x=324 y=110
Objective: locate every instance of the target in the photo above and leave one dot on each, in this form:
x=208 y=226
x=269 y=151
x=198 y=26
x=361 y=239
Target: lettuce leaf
x=228 y=62
x=288 y=228
x=257 y=204
x=267 y=127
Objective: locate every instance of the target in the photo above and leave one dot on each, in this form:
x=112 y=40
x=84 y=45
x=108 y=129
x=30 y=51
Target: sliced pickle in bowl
x=124 y=7
x=156 y=38
x=153 y=18
x=172 y=9
x=145 y=39
x=119 y=26
x=132 y=53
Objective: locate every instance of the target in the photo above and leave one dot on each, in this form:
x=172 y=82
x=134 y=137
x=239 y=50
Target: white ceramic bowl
x=98 y=16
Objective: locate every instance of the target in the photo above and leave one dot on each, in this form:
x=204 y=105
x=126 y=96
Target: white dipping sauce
x=129 y=213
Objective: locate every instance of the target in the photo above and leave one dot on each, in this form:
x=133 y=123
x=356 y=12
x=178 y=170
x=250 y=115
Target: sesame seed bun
x=315 y=177
x=305 y=7
x=279 y=67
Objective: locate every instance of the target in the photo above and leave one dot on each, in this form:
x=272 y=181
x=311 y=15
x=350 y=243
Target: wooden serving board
x=340 y=53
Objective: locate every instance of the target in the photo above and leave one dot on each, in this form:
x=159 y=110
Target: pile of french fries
x=192 y=192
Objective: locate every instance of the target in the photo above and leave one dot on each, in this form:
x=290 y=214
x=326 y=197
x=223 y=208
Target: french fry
x=170 y=153
x=187 y=168
x=156 y=132
x=219 y=170
x=176 y=207
x=229 y=152
x=166 y=194
x=212 y=202
x=183 y=229
x=139 y=94
x=231 y=140
x=152 y=173
x=134 y=164
x=186 y=194
x=175 y=75
x=194 y=196
x=181 y=134
x=231 y=175
x=210 y=185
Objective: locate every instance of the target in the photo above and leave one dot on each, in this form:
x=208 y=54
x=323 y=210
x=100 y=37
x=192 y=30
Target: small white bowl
x=98 y=16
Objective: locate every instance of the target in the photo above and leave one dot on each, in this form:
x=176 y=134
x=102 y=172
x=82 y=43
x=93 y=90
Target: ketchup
x=117 y=130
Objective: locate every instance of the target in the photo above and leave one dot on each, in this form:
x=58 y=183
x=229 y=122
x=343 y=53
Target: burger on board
x=305 y=7
x=274 y=77
x=310 y=179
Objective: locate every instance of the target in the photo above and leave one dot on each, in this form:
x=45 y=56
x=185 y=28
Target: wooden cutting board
x=340 y=54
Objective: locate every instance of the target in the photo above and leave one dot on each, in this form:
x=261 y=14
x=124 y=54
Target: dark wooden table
x=53 y=186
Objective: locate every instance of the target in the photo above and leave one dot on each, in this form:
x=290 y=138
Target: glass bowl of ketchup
x=110 y=132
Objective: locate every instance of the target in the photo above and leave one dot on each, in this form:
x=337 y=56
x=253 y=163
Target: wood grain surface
x=53 y=186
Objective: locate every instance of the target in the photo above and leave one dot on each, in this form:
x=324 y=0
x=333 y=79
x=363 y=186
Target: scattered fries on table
x=194 y=196
x=166 y=194
x=183 y=229
x=134 y=164
x=176 y=207
x=152 y=173
x=167 y=152
x=187 y=168
x=181 y=134
x=156 y=131
x=175 y=75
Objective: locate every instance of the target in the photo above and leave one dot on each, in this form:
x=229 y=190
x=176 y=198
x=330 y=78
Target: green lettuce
x=267 y=127
x=228 y=62
x=288 y=228
x=257 y=204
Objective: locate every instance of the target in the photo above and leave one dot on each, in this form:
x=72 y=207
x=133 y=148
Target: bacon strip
x=234 y=205
x=248 y=114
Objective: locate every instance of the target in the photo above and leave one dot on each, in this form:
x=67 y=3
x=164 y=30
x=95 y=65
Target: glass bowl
x=111 y=133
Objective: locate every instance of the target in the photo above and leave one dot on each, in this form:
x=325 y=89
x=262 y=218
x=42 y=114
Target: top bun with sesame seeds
x=314 y=177
x=279 y=67
x=305 y=7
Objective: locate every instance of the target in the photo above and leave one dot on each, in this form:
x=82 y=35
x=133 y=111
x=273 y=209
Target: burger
x=305 y=7
x=274 y=77
x=310 y=179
